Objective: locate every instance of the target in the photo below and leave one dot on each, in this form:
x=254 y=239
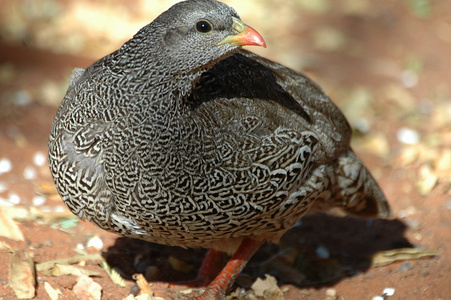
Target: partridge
x=183 y=138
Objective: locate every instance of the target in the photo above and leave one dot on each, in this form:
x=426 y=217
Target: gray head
x=195 y=34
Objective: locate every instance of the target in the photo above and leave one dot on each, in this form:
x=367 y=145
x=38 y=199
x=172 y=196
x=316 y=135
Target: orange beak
x=246 y=36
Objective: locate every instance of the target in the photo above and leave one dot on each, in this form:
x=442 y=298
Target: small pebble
x=95 y=242
x=299 y=223
x=29 y=173
x=409 y=78
x=331 y=293
x=389 y=291
x=362 y=125
x=418 y=236
x=59 y=208
x=39 y=159
x=22 y=98
x=407 y=212
x=377 y=298
x=5 y=165
x=405 y=267
x=14 y=198
x=414 y=224
x=38 y=200
x=80 y=246
x=408 y=136
x=186 y=292
x=240 y=293
x=3 y=187
x=322 y=252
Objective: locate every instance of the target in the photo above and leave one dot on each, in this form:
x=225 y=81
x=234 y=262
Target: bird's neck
x=153 y=72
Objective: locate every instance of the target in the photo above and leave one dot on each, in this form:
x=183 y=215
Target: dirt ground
x=385 y=63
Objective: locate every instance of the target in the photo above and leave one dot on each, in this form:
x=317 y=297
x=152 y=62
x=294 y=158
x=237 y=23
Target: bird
x=183 y=138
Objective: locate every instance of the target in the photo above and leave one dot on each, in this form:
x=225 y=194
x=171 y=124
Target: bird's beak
x=246 y=36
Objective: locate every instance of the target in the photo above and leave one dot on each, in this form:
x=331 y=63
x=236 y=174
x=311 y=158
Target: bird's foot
x=210 y=294
x=219 y=286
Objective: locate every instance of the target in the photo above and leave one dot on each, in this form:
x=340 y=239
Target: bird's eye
x=203 y=26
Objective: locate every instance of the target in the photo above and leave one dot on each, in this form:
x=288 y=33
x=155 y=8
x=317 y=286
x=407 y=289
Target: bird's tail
x=353 y=190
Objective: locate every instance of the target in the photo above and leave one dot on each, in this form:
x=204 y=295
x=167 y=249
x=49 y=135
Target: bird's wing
x=305 y=105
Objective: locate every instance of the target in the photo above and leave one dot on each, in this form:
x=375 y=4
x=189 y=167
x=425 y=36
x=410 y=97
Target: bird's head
x=196 y=34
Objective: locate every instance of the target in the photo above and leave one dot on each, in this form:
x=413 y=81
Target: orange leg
x=219 y=286
x=210 y=267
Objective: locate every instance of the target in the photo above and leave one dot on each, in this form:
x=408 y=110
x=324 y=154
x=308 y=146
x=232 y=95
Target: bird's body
x=202 y=150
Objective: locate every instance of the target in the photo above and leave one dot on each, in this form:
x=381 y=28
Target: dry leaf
x=9 y=228
x=427 y=180
x=62 y=269
x=408 y=156
x=142 y=297
x=22 y=275
x=283 y=264
x=5 y=247
x=273 y=294
x=114 y=275
x=443 y=164
x=387 y=257
x=53 y=294
x=48 y=265
x=142 y=284
x=180 y=265
x=87 y=289
x=377 y=144
x=267 y=288
x=47 y=188
x=17 y=213
x=331 y=294
x=51 y=217
x=401 y=96
x=33 y=214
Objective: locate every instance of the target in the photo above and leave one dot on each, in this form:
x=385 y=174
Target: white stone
x=409 y=78
x=14 y=198
x=95 y=242
x=5 y=165
x=322 y=252
x=38 y=200
x=29 y=173
x=39 y=159
x=389 y=291
x=408 y=136
x=3 y=187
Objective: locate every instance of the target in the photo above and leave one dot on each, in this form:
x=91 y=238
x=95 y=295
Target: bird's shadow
x=319 y=251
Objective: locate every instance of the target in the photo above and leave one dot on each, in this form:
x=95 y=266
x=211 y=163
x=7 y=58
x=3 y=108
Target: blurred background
x=386 y=64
